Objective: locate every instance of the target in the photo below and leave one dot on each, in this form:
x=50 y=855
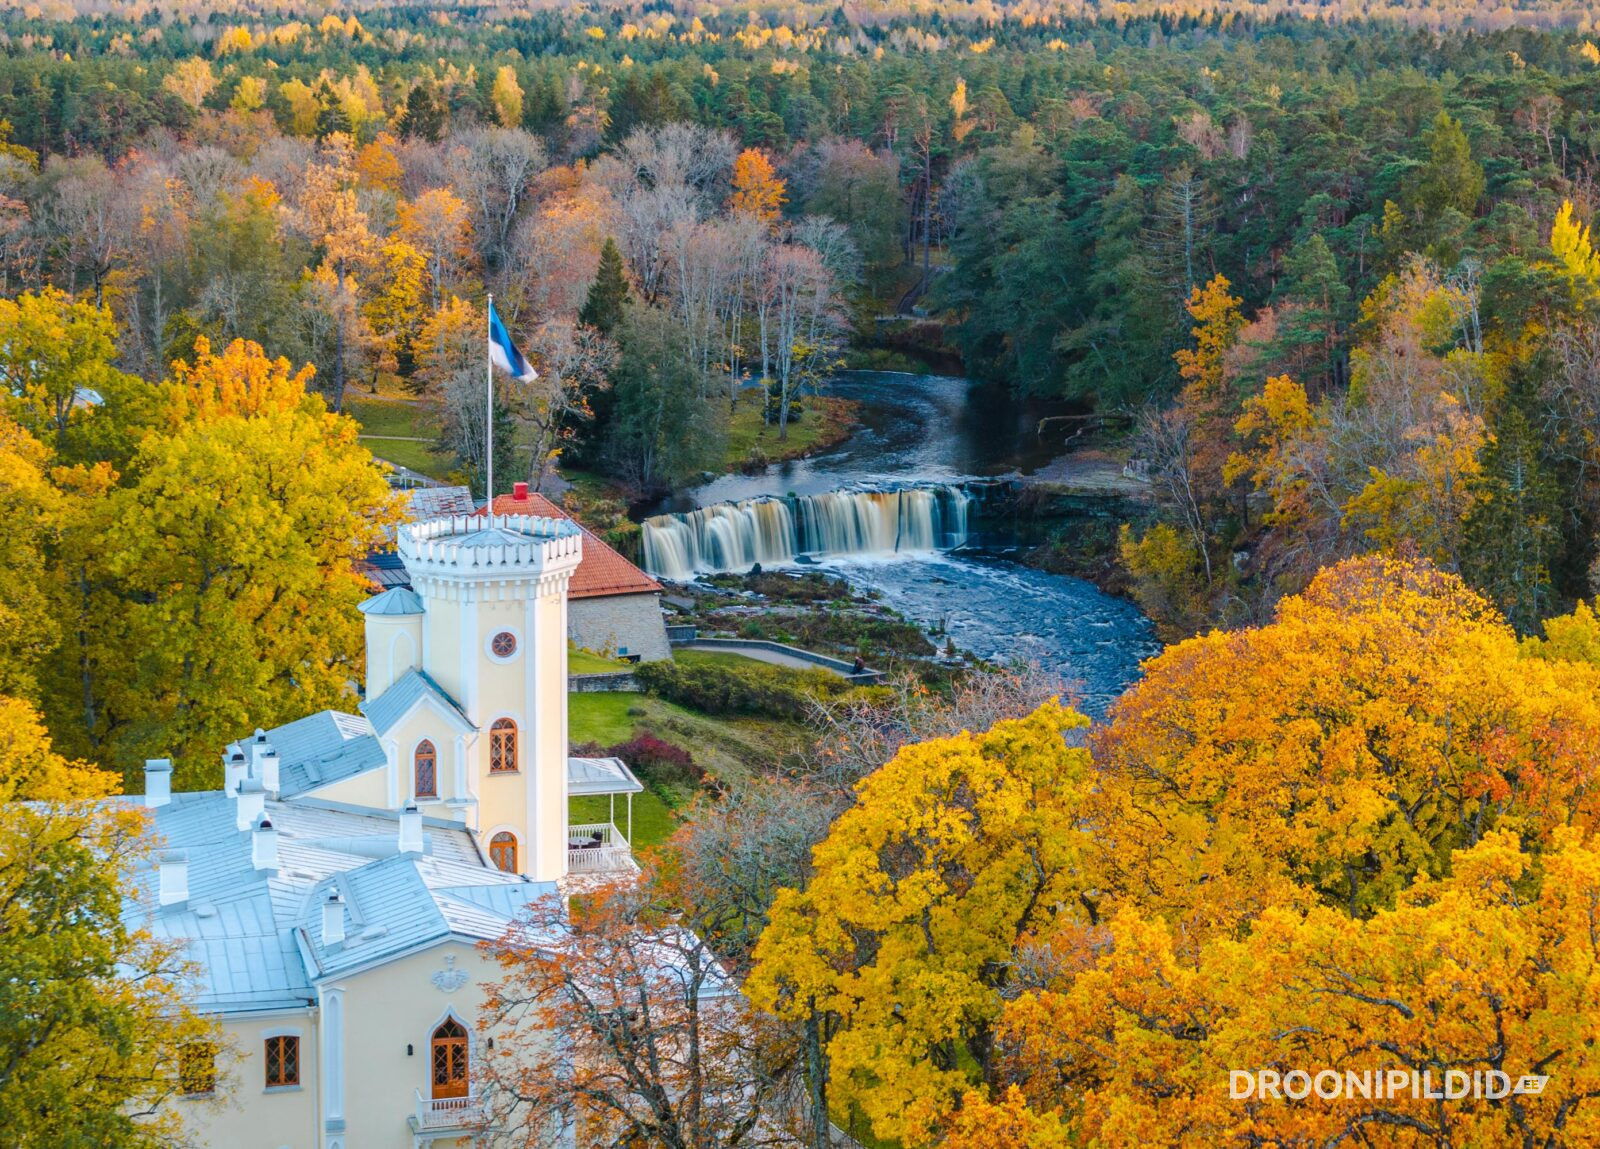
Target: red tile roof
x=602 y=572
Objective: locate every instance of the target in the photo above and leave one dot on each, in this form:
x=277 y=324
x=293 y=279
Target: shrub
x=756 y=689
x=659 y=761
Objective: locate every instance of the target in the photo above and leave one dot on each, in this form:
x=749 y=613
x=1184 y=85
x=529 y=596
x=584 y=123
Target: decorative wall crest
x=449 y=979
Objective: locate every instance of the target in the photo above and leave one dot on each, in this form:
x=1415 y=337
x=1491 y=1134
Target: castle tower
x=467 y=680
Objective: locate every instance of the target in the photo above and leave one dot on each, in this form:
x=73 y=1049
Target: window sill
x=504 y=773
x=283 y=1089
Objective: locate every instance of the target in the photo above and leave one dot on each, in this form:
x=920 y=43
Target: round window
x=503 y=644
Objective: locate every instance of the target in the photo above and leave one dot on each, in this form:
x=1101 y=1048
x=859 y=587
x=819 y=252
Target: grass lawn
x=724 y=747
x=653 y=819
x=826 y=421
x=601 y=718
x=714 y=658
x=399 y=432
x=581 y=661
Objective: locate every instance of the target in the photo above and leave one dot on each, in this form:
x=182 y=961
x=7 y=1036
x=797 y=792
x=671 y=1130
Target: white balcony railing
x=448 y=1112
x=595 y=847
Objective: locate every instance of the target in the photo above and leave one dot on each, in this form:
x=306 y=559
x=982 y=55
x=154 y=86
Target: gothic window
x=283 y=1061
x=502 y=746
x=503 y=644
x=503 y=851
x=426 y=761
x=449 y=1064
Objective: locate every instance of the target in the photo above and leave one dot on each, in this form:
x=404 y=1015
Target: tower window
x=283 y=1061
x=503 y=644
x=503 y=851
x=502 y=746
x=426 y=761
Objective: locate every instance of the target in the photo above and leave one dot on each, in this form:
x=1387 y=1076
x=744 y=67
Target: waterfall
x=735 y=536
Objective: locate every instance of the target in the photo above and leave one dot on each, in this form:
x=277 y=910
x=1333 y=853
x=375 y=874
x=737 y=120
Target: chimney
x=333 y=921
x=269 y=764
x=174 y=877
x=411 y=829
x=257 y=747
x=157 y=782
x=234 y=770
x=251 y=801
x=264 y=845
x=519 y=491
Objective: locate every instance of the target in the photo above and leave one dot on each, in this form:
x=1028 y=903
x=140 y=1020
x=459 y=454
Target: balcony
x=597 y=847
x=448 y=1114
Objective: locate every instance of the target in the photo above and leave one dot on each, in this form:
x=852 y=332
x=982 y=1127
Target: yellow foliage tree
x=303 y=106
x=93 y=1010
x=438 y=225
x=249 y=96
x=1217 y=322
x=958 y=854
x=506 y=97
x=1575 y=254
x=31 y=507
x=191 y=80
x=220 y=579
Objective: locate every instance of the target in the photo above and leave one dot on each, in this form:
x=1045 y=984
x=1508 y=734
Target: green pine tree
x=1450 y=178
x=423 y=117
x=609 y=292
x=332 y=118
x=1318 y=297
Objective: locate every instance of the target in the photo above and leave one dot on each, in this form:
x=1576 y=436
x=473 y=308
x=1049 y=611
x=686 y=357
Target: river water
x=937 y=432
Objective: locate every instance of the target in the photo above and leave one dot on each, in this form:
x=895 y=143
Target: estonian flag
x=504 y=354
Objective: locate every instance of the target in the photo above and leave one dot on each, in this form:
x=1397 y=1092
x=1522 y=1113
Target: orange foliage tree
x=1357 y=837
x=757 y=190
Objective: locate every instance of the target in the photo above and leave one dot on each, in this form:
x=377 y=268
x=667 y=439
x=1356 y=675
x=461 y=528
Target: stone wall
x=620 y=624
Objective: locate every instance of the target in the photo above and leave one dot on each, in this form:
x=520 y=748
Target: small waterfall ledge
x=769 y=530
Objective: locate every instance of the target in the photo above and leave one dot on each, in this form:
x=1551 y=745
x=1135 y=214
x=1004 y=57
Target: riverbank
x=824 y=422
x=1068 y=516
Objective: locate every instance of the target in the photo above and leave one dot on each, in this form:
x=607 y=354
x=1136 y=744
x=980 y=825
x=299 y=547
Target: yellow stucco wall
x=247 y=1115
x=387 y=1009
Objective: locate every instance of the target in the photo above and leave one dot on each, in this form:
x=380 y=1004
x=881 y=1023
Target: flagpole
x=488 y=425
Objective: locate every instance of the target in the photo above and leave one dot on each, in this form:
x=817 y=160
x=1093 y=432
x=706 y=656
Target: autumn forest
x=1320 y=277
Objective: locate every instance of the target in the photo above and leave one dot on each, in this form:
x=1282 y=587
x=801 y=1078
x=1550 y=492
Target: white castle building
x=333 y=891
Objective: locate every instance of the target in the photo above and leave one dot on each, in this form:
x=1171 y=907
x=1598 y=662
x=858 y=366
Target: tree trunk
x=817 y=1083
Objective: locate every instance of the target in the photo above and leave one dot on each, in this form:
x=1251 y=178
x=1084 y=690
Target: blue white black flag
x=504 y=354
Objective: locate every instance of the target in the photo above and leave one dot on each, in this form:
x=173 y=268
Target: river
x=883 y=507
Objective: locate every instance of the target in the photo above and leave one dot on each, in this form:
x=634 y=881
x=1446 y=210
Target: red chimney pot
x=519 y=490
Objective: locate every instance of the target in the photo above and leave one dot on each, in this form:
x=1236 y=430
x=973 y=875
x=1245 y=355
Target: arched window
x=426 y=762
x=449 y=1060
x=503 y=851
x=502 y=746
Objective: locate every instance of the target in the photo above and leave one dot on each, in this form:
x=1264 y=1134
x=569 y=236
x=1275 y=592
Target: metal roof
x=600 y=776
x=321 y=749
x=440 y=502
x=398 y=600
x=254 y=935
x=406 y=902
x=405 y=692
